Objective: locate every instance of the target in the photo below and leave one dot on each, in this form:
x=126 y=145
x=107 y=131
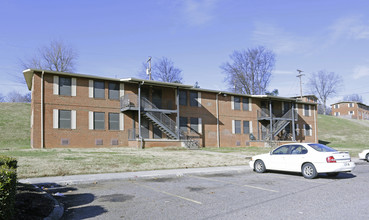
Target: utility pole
x=300 y=75
x=148 y=70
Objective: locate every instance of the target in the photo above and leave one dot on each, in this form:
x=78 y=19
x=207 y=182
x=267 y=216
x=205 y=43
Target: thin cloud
x=361 y=71
x=351 y=28
x=198 y=12
x=283 y=72
x=280 y=40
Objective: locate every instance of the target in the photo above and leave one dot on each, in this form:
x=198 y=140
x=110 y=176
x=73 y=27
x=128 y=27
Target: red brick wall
x=83 y=137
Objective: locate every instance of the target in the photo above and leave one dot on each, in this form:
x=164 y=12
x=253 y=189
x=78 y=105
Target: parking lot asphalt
x=233 y=193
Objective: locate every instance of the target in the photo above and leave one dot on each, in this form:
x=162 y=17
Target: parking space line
x=170 y=194
x=244 y=185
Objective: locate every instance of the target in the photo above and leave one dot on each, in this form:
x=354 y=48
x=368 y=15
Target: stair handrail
x=163 y=118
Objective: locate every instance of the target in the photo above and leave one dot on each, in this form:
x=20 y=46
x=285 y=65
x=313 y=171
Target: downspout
x=42 y=109
x=271 y=120
x=217 y=112
x=139 y=115
x=293 y=122
x=177 y=119
x=315 y=111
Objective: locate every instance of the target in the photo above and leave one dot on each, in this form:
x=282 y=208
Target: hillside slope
x=15 y=125
x=343 y=134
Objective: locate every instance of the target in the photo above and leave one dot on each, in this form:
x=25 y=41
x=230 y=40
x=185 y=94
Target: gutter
x=42 y=110
x=217 y=112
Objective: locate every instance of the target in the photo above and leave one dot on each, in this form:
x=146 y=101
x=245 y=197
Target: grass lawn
x=341 y=134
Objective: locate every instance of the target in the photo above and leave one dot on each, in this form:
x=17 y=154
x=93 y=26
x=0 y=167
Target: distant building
x=349 y=109
x=77 y=110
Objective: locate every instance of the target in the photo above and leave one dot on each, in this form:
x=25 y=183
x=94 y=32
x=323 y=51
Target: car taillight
x=331 y=159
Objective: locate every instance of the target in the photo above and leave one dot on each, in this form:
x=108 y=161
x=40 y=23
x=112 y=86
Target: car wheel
x=367 y=157
x=333 y=174
x=309 y=171
x=259 y=166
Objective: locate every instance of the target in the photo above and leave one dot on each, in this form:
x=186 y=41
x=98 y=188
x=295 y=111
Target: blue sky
x=113 y=38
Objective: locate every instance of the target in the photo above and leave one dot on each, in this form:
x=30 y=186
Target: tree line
x=249 y=71
x=15 y=96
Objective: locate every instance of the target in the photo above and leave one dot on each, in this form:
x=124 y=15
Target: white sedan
x=364 y=155
x=307 y=158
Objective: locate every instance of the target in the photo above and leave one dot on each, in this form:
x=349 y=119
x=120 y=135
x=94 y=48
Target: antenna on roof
x=300 y=75
x=148 y=69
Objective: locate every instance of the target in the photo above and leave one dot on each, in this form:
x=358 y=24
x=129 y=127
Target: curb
x=93 y=178
x=58 y=210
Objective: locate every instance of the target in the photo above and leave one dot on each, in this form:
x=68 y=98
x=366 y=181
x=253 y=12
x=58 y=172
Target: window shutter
x=232 y=102
x=233 y=127
x=56 y=85
x=303 y=110
x=121 y=121
x=310 y=130
x=55 y=118
x=90 y=88
x=250 y=105
x=200 y=125
x=199 y=99
x=73 y=119
x=250 y=126
x=74 y=88
x=91 y=120
x=121 y=90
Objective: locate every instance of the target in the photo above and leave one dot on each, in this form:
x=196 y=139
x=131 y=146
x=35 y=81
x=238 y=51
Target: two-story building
x=77 y=110
x=350 y=109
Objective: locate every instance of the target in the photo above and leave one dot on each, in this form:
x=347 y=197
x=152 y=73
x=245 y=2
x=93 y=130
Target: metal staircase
x=158 y=118
x=279 y=123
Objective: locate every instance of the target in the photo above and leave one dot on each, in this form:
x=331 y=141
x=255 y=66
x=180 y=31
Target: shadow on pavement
x=75 y=204
x=325 y=176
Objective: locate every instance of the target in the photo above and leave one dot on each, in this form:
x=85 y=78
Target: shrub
x=8 y=184
x=8 y=162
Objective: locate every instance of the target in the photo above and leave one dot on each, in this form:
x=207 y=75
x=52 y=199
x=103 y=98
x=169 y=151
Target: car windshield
x=321 y=148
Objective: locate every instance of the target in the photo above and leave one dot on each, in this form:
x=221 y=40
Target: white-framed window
x=196 y=125
x=236 y=126
x=116 y=121
x=247 y=127
x=351 y=105
x=246 y=104
x=336 y=106
x=308 y=130
x=183 y=121
x=183 y=97
x=65 y=86
x=351 y=113
x=306 y=110
x=64 y=119
x=195 y=98
x=337 y=114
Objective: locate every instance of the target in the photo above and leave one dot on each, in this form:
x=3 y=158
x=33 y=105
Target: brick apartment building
x=77 y=110
x=348 y=109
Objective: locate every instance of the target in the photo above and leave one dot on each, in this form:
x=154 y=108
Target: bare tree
x=2 y=98
x=163 y=70
x=324 y=84
x=353 y=98
x=250 y=71
x=15 y=96
x=57 y=56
